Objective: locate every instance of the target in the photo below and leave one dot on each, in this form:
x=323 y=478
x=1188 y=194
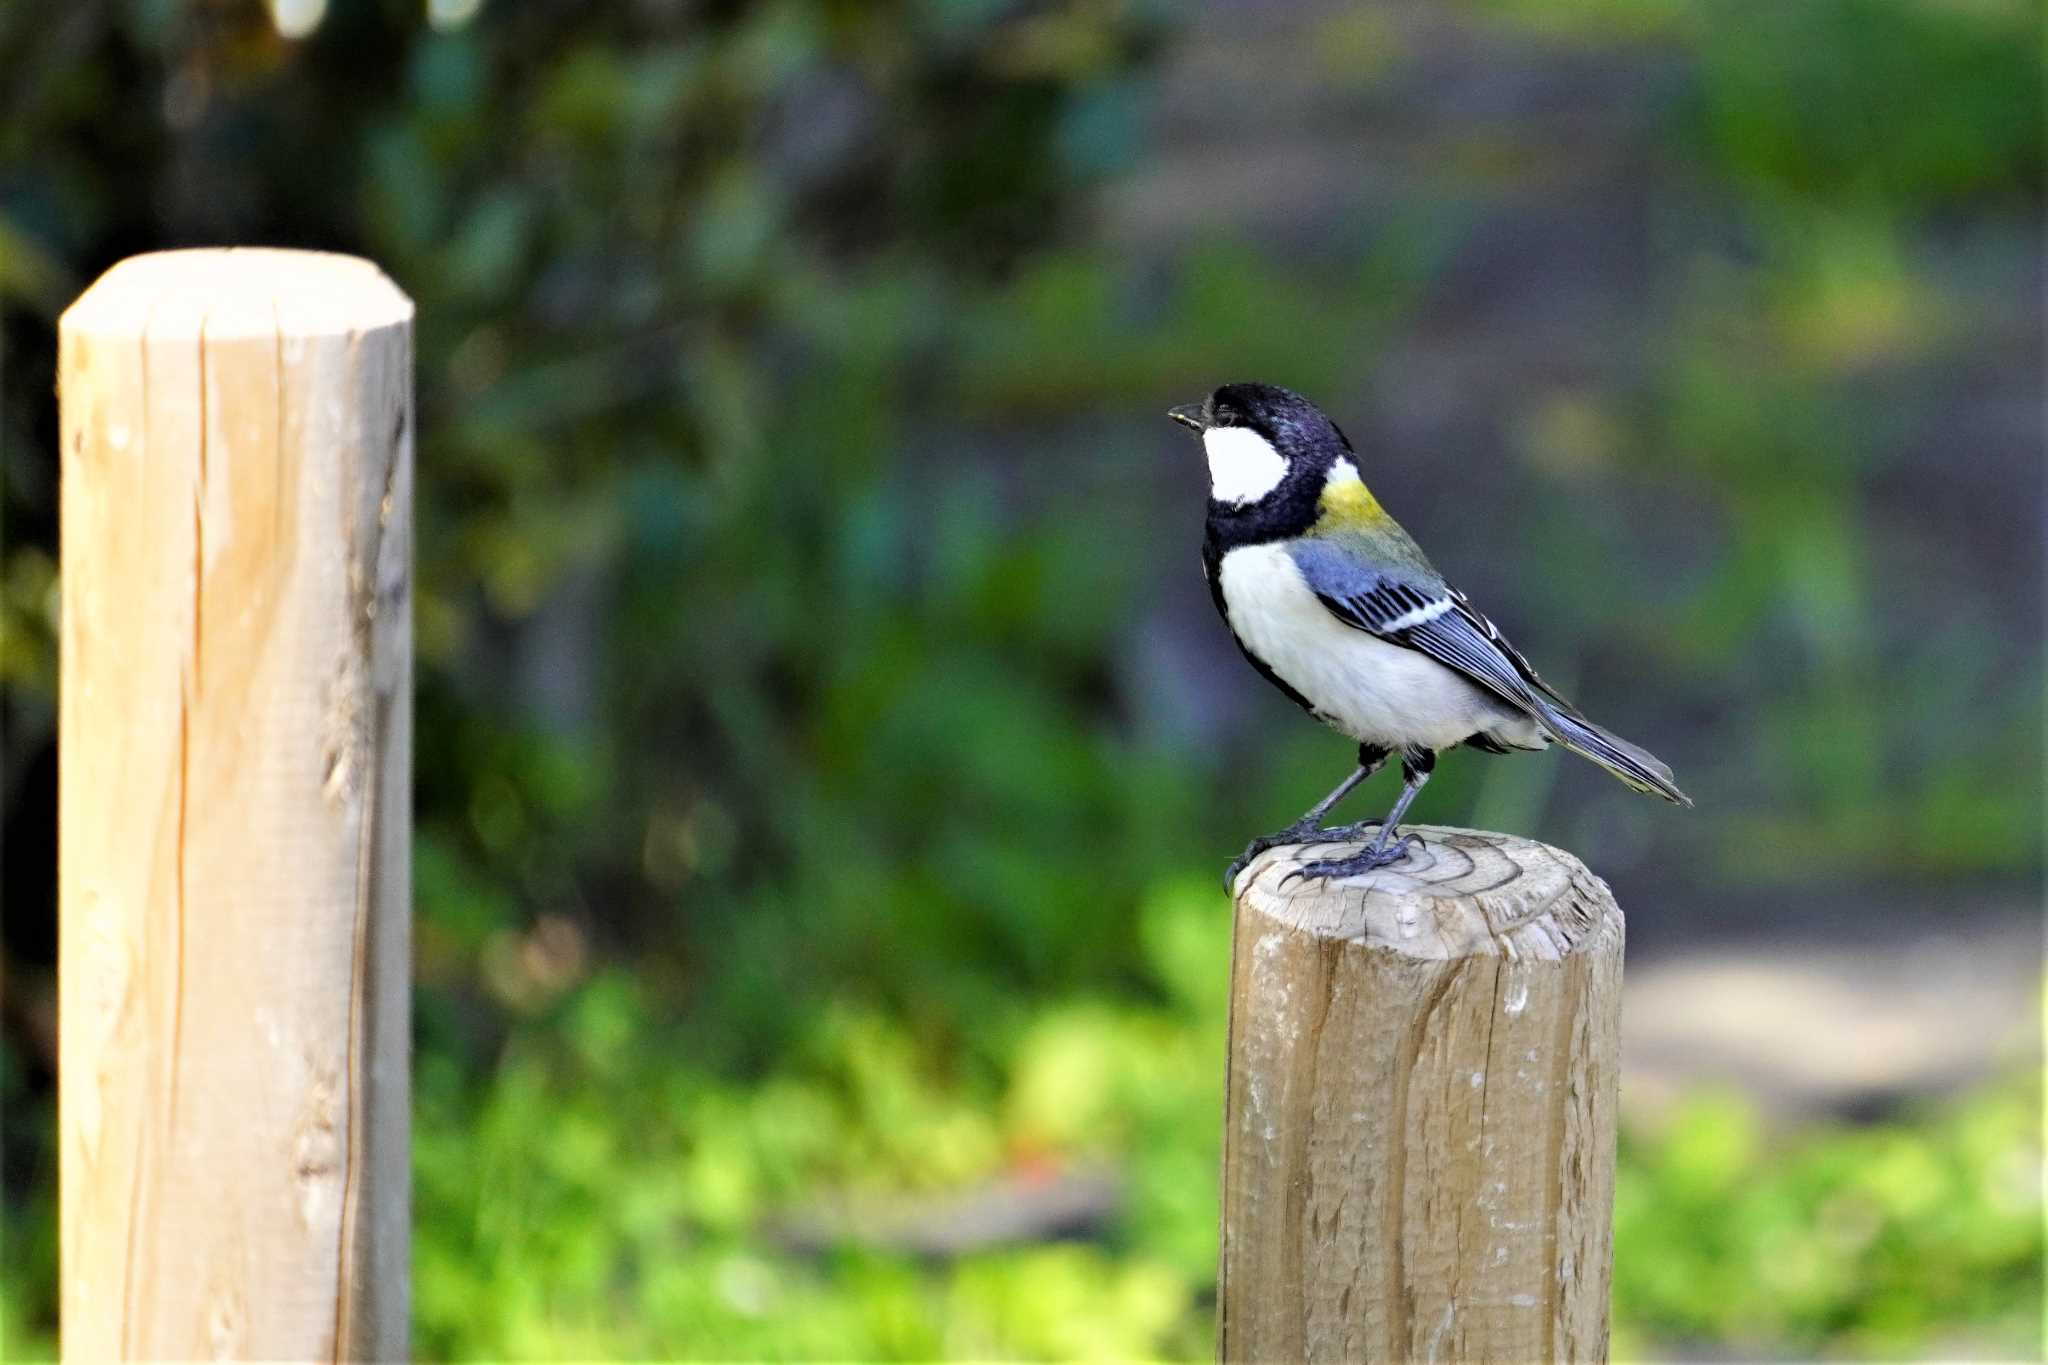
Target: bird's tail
x=1637 y=768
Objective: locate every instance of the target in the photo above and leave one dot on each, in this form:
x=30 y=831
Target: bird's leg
x=1391 y=846
x=1310 y=825
x=1311 y=821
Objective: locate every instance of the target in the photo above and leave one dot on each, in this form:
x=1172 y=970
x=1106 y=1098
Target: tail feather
x=1636 y=767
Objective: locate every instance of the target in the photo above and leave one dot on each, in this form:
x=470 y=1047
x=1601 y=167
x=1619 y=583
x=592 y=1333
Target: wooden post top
x=1419 y=1135
x=1467 y=893
x=234 y=815
x=237 y=292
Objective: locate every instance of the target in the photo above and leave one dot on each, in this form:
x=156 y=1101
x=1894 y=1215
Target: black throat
x=1288 y=511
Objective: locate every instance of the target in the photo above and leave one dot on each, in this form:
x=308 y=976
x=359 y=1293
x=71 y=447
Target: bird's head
x=1264 y=440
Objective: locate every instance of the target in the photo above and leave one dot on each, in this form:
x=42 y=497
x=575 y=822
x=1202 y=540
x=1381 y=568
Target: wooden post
x=234 y=809
x=1418 y=1152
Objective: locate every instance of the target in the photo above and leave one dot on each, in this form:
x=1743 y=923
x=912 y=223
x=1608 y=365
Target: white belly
x=1374 y=691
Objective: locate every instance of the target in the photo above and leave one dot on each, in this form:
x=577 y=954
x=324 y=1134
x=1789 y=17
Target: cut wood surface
x=1419 y=1124
x=234 y=808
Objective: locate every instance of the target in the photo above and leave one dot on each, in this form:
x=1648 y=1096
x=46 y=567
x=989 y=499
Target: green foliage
x=614 y=1202
x=28 y=1235
x=1914 y=104
x=1894 y=1240
x=610 y=1204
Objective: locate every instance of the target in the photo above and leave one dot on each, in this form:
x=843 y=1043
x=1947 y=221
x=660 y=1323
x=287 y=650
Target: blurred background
x=826 y=748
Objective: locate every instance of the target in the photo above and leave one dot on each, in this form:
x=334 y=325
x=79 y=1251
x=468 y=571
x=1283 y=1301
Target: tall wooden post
x=234 y=809
x=1419 y=1129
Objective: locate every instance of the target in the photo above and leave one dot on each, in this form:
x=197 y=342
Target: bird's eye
x=1226 y=415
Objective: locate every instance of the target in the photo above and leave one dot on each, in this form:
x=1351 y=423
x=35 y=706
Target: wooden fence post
x=1418 y=1152
x=234 y=811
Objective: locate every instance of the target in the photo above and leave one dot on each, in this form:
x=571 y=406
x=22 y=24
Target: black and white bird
x=1338 y=607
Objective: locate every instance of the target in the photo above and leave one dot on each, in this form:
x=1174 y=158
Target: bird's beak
x=1190 y=416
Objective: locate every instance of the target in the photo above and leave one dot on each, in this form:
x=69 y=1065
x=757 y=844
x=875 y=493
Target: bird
x=1337 y=606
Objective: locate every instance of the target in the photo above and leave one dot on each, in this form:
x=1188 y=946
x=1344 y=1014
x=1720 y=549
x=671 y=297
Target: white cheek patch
x=1243 y=466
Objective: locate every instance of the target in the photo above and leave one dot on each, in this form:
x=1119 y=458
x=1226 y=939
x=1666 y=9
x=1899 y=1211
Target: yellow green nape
x=1346 y=501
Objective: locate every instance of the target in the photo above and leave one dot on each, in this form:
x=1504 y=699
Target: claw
x=1325 y=869
x=1294 y=834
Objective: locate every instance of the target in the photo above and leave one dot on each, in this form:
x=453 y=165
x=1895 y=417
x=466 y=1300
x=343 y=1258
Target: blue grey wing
x=1427 y=615
x=1465 y=640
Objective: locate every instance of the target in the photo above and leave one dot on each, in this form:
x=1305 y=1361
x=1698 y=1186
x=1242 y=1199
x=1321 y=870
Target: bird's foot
x=1300 y=832
x=1381 y=854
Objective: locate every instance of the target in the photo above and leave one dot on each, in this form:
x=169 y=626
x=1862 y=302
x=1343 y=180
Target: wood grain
x=234 y=808
x=1419 y=1123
